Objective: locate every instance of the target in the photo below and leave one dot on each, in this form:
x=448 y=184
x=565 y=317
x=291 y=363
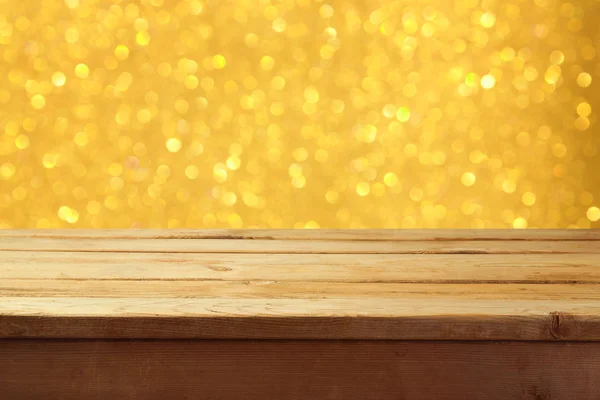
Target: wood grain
x=335 y=318
x=532 y=268
x=410 y=315
x=462 y=285
x=293 y=290
x=137 y=245
x=229 y=370
x=320 y=234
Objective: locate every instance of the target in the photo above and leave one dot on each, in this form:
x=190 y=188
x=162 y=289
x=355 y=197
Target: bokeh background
x=300 y=113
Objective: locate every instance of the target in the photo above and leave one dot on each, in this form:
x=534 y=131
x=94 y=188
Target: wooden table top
x=301 y=284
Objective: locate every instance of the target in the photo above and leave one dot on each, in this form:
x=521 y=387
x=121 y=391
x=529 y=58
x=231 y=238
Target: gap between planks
x=320 y=234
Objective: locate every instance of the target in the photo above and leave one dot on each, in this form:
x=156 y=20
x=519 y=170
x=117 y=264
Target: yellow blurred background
x=299 y=113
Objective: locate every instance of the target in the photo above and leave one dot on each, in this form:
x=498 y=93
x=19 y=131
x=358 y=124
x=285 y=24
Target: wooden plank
x=320 y=234
x=109 y=287
x=293 y=290
x=533 y=268
x=339 y=318
x=296 y=370
x=133 y=245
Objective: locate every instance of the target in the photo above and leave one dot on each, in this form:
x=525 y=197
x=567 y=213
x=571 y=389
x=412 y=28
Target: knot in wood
x=559 y=328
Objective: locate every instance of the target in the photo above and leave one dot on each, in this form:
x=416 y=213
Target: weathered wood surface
x=254 y=284
x=320 y=234
x=297 y=246
x=298 y=370
x=382 y=268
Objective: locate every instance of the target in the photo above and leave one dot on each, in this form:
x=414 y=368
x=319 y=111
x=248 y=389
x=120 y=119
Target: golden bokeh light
x=299 y=114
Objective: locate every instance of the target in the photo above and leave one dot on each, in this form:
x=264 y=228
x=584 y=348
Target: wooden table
x=265 y=314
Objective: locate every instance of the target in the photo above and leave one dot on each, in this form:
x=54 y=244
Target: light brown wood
x=279 y=284
x=531 y=268
x=395 y=298
x=298 y=370
x=256 y=289
x=332 y=318
x=303 y=234
x=133 y=245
